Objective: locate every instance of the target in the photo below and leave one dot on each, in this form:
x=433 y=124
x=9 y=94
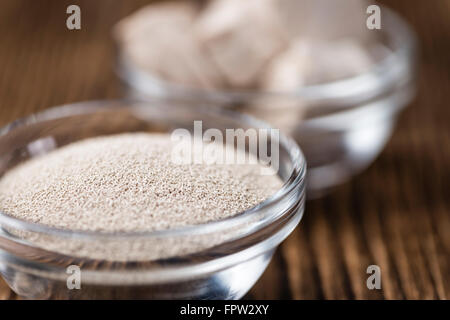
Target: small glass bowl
x=348 y=121
x=229 y=256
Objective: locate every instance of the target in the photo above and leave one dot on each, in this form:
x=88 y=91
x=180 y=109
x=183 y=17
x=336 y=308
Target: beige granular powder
x=128 y=182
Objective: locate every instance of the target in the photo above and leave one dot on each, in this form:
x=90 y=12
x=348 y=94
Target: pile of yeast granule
x=127 y=182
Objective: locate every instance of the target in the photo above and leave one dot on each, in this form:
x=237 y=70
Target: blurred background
x=395 y=215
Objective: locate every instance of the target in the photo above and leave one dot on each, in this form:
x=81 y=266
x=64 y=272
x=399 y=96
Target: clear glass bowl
x=348 y=121
x=231 y=254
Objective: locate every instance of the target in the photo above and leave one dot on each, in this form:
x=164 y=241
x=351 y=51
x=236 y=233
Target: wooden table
x=395 y=215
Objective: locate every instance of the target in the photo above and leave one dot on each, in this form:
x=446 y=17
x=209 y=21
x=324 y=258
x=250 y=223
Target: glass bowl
x=215 y=260
x=341 y=125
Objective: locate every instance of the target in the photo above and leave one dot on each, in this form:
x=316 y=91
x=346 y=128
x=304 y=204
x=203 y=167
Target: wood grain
x=395 y=215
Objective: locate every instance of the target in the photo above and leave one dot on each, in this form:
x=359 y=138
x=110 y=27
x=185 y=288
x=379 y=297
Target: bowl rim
x=379 y=77
x=296 y=178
